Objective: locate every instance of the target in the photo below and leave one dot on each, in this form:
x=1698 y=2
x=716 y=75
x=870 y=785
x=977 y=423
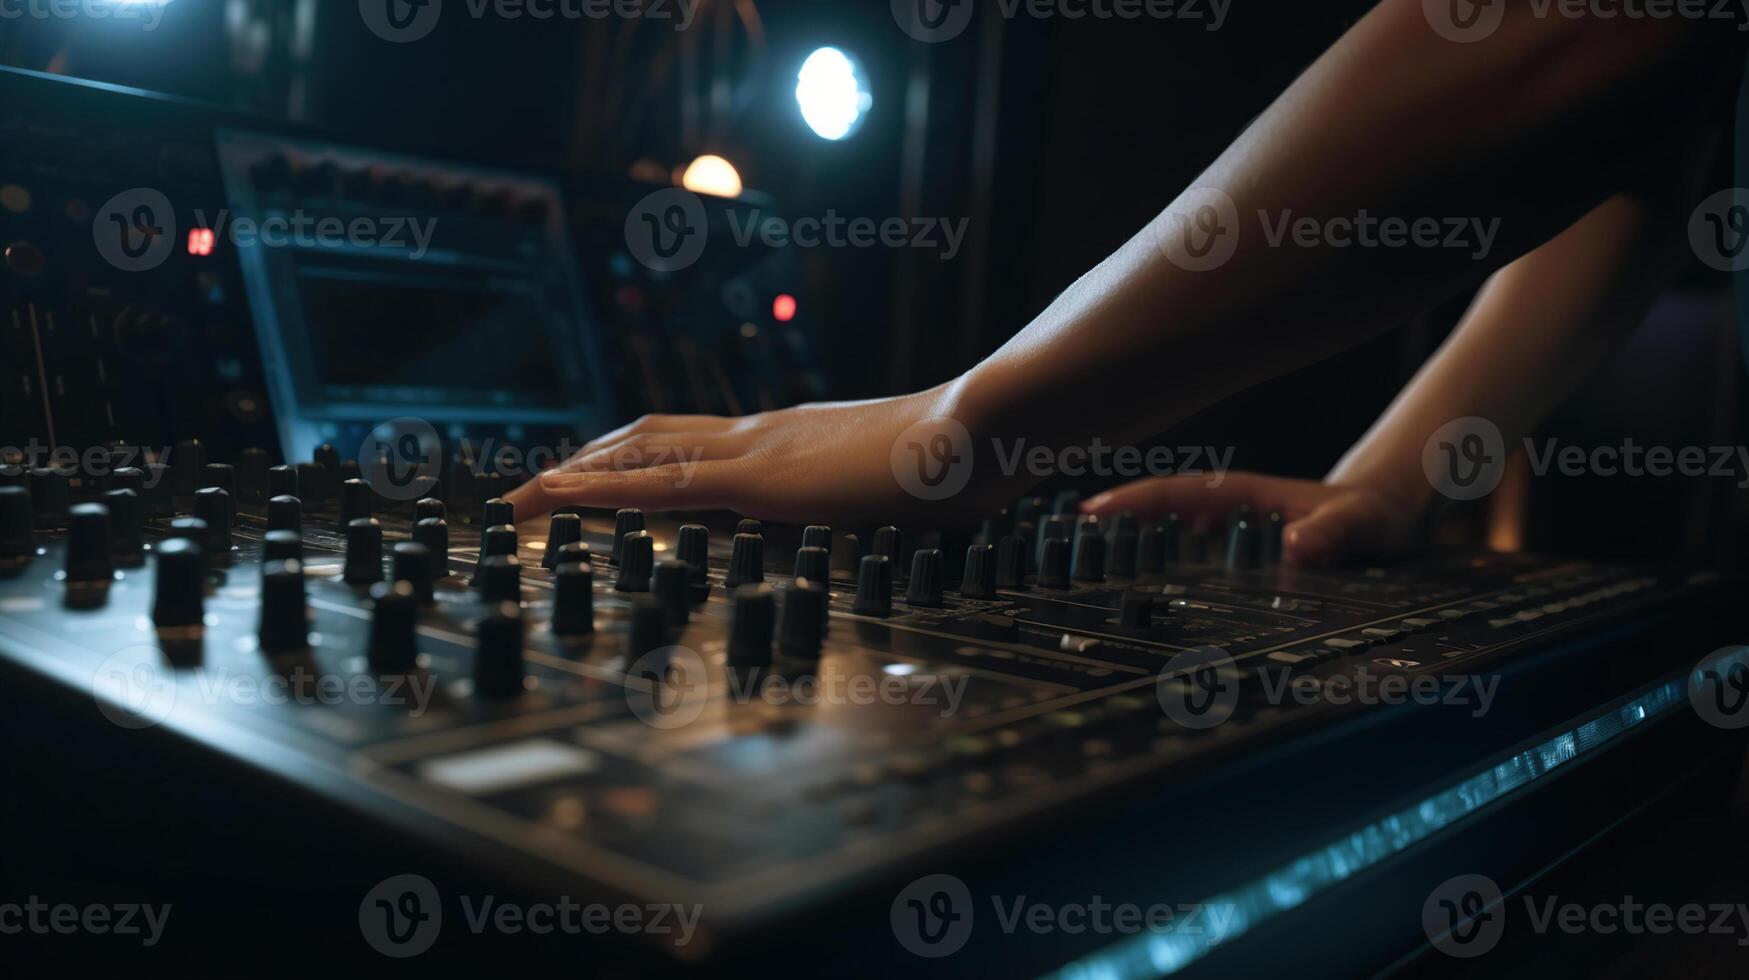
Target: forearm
x=1534 y=126
x=1537 y=328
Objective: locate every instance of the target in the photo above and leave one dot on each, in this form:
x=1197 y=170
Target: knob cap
x=498 y=668
x=501 y=579
x=979 y=581
x=1244 y=546
x=573 y=599
x=1053 y=565
x=746 y=561
x=814 y=563
x=189 y=458
x=128 y=478
x=282 y=481
x=313 y=486
x=749 y=526
x=355 y=501
x=51 y=495
x=285 y=514
x=127 y=522
x=694 y=549
x=497 y=511
x=17 y=523
x=1089 y=561
x=221 y=475
x=191 y=528
x=846 y=553
x=89 y=559
x=637 y=561
x=564 y=529
x=874 y=586
x=649 y=629
x=889 y=543
x=1125 y=542
x=394 y=624
x=926 y=574
x=413 y=566
x=817 y=536
x=427 y=508
x=1057 y=527
x=433 y=533
x=628 y=521
x=285 y=624
x=575 y=552
x=499 y=540
x=364 y=552
x=213 y=505
x=751 y=625
x=1136 y=609
x=327 y=457
x=1011 y=563
x=179 y=598
x=671 y=587
x=252 y=466
x=804 y=621
x=1152 y=549
x=282 y=546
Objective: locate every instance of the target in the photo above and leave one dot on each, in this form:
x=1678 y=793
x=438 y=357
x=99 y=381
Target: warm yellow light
x=712 y=174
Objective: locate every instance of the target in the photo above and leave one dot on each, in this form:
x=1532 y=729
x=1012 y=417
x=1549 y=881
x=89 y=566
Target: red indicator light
x=200 y=241
x=783 y=308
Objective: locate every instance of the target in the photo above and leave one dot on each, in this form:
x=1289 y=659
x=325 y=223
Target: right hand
x=1327 y=524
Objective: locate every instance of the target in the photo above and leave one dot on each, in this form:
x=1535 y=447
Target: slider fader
x=783 y=724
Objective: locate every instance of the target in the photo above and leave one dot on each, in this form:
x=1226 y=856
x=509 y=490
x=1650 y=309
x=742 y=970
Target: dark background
x=1056 y=140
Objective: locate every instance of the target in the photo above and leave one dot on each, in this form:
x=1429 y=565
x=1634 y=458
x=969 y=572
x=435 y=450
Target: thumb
x=1341 y=529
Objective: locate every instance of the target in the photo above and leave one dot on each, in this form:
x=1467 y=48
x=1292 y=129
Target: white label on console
x=505 y=767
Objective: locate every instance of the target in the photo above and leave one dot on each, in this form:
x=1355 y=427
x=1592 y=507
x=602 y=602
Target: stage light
x=832 y=93
x=783 y=308
x=201 y=241
x=712 y=175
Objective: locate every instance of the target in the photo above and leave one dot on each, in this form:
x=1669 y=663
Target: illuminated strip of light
x=1290 y=886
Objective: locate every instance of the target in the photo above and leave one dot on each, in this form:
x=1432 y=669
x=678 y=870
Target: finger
x=656 y=424
x=643 y=451
x=672 y=486
x=1344 y=529
x=1189 y=496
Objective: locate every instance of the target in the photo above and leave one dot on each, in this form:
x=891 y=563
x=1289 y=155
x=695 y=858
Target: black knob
x=649 y=628
x=500 y=579
x=327 y=457
x=129 y=478
x=127 y=522
x=313 y=486
x=751 y=625
x=889 y=543
x=17 y=523
x=563 y=530
x=364 y=552
x=694 y=548
x=1244 y=546
x=814 y=563
x=394 y=628
x=282 y=481
x=994 y=529
x=427 y=508
x=746 y=561
x=413 y=566
x=497 y=511
x=285 y=514
x=1057 y=527
x=159 y=490
x=627 y=521
x=1066 y=502
x=817 y=536
x=490 y=487
x=180 y=594
x=1270 y=549
x=89 y=558
x=282 y=546
x=460 y=491
x=1053 y=566
x=350 y=470
x=434 y=535
x=804 y=621
x=573 y=599
x=192 y=528
x=498 y=657
x=213 y=505
x=1136 y=609
x=1152 y=548
x=1125 y=542
x=1027 y=533
x=500 y=540
x=1011 y=563
x=355 y=501
x=749 y=526
x=926 y=573
x=1089 y=562
x=575 y=552
x=51 y=494
x=285 y=623
x=13 y=475
x=979 y=581
x=846 y=553
x=874 y=586
x=252 y=466
x=221 y=475
x=1029 y=510
x=671 y=587
x=189 y=458
x=637 y=561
